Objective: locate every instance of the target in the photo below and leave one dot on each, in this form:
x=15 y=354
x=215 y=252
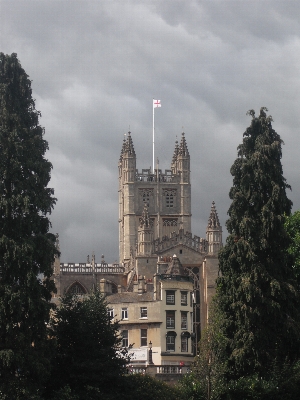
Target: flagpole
x=155 y=104
x=153 y=133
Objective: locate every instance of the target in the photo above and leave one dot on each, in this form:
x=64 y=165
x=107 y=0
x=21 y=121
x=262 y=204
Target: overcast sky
x=95 y=67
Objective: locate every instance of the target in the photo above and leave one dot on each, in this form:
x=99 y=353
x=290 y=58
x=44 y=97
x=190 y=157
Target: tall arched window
x=77 y=288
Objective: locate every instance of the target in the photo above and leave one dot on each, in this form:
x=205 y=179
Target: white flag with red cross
x=156 y=103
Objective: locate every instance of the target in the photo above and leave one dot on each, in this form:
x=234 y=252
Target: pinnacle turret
x=176 y=151
x=123 y=149
x=213 y=220
x=129 y=148
x=183 y=149
x=214 y=232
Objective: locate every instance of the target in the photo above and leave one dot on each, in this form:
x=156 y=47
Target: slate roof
x=129 y=297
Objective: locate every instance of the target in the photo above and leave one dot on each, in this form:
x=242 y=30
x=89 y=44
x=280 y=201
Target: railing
x=158 y=369
x=85 y=268
x=148 y=176
x=136 y=370
x=169 y=369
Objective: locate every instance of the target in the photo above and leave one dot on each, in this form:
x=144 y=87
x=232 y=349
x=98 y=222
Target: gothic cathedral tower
x=167 y=197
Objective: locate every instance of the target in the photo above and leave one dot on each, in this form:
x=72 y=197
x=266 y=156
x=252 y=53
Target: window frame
x=170 y=342
x=124 y=338
x=184 y=320
x=184 y=298
x=170 y=293
x=184 y=344
x=143 y=313
x=124 y=312
x=170 y=319
x=170 y=200
x=144 y=337
x=111 y=313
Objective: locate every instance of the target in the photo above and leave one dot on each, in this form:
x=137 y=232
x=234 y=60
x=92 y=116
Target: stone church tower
x=154 y=230
x=166 y=195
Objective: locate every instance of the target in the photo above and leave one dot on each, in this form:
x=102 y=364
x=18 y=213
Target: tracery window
x=170 y=198
x=145 y=196
x=77 y=289
x=169 y=222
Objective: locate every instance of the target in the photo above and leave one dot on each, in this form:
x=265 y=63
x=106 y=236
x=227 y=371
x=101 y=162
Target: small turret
x=174 y=159
x=183 y=149
x=183 y=161
x=127 y=168
x=214 y=232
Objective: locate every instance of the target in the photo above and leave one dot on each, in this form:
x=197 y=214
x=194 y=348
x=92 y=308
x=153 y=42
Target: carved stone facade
x=154 y=230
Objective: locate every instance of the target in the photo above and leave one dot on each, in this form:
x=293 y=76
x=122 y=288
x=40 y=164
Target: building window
x=170 y=197
x=171 y=343
x=125 y=338
x=183 y=320
x=170 y=319
x=183 y=301
x=110 y=313
x=169 y=222
x=144 y=312
x=125 y=313
x=170 y=297
x=145 y=196
x=184 y=344
x=77 y=289
x=143 y=337
x=169 y=200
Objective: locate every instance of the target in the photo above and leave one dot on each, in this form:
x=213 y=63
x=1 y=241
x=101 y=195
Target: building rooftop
x=130 y=297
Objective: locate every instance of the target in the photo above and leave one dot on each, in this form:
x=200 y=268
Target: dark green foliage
x=256 y=290
x=27 y=249
x=207 y=376
x=191 y=387
x=147 y=388
x=130 y=387
x=87 y=344
x=292 y=225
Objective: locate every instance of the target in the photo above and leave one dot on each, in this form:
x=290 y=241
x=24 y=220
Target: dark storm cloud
x=95 y=67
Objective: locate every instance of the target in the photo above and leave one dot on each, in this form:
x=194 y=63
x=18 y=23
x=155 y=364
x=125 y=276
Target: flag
x=156 y=103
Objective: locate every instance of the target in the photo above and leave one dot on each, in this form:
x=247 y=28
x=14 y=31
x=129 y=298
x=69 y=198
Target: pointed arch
x=77 y=288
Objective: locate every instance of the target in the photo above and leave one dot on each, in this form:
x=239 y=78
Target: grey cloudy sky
x=95 y=67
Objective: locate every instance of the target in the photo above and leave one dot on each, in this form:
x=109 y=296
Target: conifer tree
x=27 y=248
x=87 y=346
x=292 y=225
x=257 y=289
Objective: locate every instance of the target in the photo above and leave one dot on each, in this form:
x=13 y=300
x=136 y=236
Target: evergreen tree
x=257 y=290
x=27 y=249
x=292 y=226
x=87 y=345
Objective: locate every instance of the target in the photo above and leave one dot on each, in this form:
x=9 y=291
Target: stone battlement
x=86 y=268
x=148 y=176
x=185 y=238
